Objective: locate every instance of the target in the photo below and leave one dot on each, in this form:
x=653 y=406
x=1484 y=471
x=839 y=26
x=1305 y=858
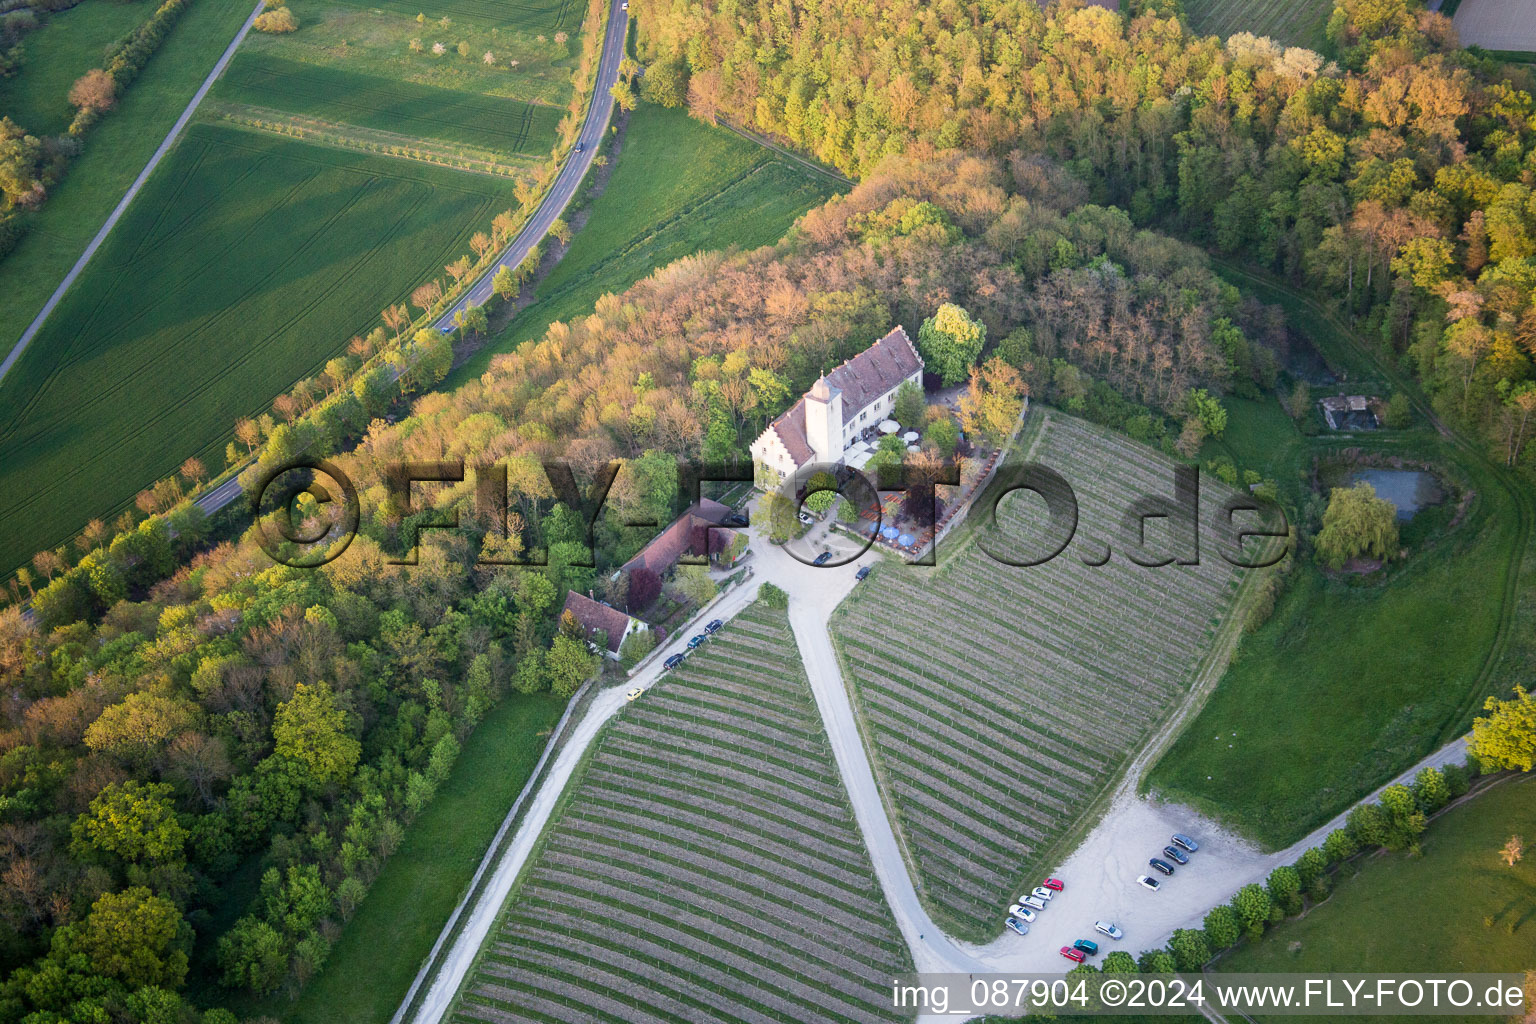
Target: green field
x=1372 y=924
x=115 y=152
x=704 y=866
x=1353 y=679
x=678 y=187
x=375 y=959
x=421 y=111
x=1294 y=22
x=65 y=46
x=245 y=264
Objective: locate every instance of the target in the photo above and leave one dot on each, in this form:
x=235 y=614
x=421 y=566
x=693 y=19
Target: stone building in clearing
x=840 y=407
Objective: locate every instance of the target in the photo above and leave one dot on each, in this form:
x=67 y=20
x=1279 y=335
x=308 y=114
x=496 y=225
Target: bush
x=276 y=21
x=635 y=647
x=772 y=596
x=1398 y=412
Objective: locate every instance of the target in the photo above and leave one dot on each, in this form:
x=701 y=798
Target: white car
x=1148 y=882
x=1033 y=901
x=1106 y=928
x=1042 y=892
x=1016 y=926
x=1021 y=912
x=636 y=692
x=804 y=518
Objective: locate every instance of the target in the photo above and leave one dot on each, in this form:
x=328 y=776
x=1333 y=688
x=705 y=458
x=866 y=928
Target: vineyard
x=1002 y=701
x=1296 y=22
x=706 y=867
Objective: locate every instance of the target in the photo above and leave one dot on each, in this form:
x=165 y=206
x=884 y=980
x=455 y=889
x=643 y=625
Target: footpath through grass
x=1458 y=907
x=678 y=187
x=246 y=262
x=1354 y=678
x=372 y=964
x=115 y=151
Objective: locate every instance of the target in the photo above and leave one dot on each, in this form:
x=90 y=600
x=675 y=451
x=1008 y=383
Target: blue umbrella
x=889 y=533
x=905 y=540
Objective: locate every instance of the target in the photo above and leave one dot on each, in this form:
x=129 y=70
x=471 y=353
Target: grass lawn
x=115 y=152
x=245 y=264
x=1353 y=679
x=67 y=45
x=1370 y=924
x=370 y=101
x=1294 y=22
x=678 y=187
x=372 y=964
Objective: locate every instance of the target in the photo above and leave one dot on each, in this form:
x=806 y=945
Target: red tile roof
x=595 y=615
x=696 y=531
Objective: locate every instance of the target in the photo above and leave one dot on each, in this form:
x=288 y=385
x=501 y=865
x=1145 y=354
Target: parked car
x=1148 y=882
x=1176 y=855
x=823 y=558
x=1018 y=927
x=694 y=642
x=1073 y=954
x=735 y=519
x=1033 y=901
x=1107 y=928
x=1053 y=883
x=804 y=518
x=1086 y=946
x=632 y=694
x=674 y=661
x=1161 y=865
x=863 y=571
x=1042 y=892
x=713 y=625
x=1182 y=840
x=1021 y=912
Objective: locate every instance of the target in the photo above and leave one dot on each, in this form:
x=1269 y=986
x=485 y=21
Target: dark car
x=1086 y=946
x=713 y=626
x=1175 y=854
x=580 y=146
x=863 y=571
x=735 y=519
x=1161 y=865
x=694 y=642
x=823 y=558
x=1182 y=840
x=675 y=660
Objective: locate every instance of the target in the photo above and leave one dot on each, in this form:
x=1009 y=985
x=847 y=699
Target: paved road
x=455 y=967
x=574 y=169
x=133 y=190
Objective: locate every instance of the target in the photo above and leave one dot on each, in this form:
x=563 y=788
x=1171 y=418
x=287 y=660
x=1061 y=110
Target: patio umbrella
x=905 y=540
x=889 y=426
x=910 y=436
x=914 y=449
x=889 y=533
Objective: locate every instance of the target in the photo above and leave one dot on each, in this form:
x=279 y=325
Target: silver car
x=1033 y=901
x=1106 y=928
x=1021 y=912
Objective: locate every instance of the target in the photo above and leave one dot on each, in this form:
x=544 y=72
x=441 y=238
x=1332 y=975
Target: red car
x=1053 y=883
x=1072 y=954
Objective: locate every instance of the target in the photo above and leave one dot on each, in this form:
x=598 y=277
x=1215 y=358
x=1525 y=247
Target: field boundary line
x=133 y=190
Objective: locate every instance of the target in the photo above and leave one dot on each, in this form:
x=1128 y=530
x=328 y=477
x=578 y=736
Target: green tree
x=909 y=405
x=138 y=938
x=693 y=583
x=1190 y=949
x=569 y=665
x=1356 y=523
x=1339 y=845
x=635 y=647
x=1207 y=408
x=1157 y=961
x=311 y=730
x=135 y=821
x=1284 y=888
x=1252 y=905
x=253 y=955
x=623 y=95
x=1119 y=962
x=503 y=283
x=1431 y=790
x=950 y=342
x=1506 y=738
x=1221 y=927
x=773 y=596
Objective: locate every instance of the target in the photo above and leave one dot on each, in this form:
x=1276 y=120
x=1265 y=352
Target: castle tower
x=824 y=421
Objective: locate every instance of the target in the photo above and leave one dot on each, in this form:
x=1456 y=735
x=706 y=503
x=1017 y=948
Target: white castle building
x=840 y=406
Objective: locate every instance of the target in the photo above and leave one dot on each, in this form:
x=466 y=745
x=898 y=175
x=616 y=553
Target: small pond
x=1408 y=489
